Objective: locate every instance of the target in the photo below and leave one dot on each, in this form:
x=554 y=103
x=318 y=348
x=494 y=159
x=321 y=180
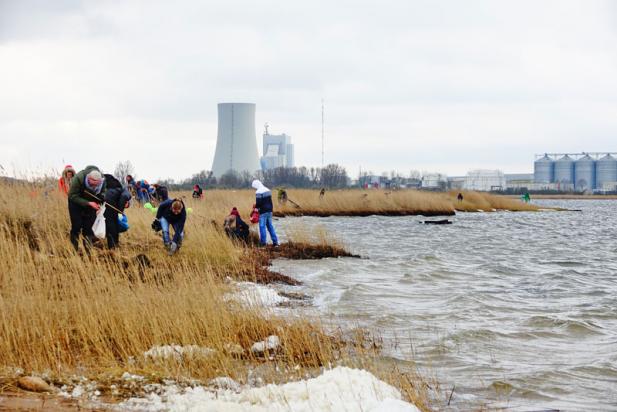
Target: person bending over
x=86 y=194
x=235 y=227
x=118 y=198
x=172 y=213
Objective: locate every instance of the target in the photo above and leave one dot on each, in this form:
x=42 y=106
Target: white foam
x=339 y=389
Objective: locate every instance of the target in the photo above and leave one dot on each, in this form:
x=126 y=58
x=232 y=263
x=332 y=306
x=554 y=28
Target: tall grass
x=95 y=315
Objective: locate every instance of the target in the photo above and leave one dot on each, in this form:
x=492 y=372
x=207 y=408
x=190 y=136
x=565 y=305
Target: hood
x=68 y=168
x=112 y=182
x=259 y=187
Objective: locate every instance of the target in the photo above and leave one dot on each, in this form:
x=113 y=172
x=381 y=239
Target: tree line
x=332 y=176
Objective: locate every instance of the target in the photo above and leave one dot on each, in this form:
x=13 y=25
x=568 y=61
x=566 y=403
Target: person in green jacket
x=86 y=195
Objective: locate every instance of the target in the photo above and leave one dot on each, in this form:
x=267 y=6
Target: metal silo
x=585 y=173
x=544 y=170
x=564 y=170
x=606 y=171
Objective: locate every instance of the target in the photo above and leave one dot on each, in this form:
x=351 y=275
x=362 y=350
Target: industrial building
x=236 y=144
x=583 y=172
x=278 y=151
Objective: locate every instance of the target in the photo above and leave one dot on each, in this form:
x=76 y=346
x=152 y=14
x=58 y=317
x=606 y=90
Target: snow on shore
x=253 y=294
x=338 y=389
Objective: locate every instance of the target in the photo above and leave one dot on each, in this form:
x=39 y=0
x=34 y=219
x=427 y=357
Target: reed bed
x=64 y=315
x=486 y=202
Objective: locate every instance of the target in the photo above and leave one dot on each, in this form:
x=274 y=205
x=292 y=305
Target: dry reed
x=63 y=314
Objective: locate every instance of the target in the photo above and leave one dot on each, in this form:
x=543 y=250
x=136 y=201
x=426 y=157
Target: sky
x=435 y=85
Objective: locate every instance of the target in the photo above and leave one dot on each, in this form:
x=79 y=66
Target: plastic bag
x=123 y=223
x=99 y=224
x=254 y=216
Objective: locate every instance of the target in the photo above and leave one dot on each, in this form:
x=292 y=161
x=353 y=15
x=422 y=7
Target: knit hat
x=234 y=211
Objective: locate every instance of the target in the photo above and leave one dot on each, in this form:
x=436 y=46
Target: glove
x=156 y=225
x=94 y=205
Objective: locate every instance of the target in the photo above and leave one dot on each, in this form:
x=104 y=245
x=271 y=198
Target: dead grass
x=486 y=202
x=62 y=314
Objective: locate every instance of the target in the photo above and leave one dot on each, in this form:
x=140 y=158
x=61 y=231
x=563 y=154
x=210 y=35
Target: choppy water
x=516 y=309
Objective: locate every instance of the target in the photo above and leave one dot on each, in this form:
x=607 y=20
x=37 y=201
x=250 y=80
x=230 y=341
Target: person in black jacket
x=160 y=193
x=172 y=213
x=118 y=197
x=235 y=227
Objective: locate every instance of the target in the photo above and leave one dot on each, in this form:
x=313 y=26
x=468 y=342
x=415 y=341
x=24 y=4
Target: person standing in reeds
x=119 y=198
x=64 y=183
x=263 y=203
x=86 y=194
x=171 y=213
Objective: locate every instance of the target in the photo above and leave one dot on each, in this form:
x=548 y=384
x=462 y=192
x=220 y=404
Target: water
x=518 y=310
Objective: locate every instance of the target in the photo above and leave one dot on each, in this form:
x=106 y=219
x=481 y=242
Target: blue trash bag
x=123 y=223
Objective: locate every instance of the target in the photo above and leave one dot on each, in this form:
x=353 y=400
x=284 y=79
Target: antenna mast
x=322 y=136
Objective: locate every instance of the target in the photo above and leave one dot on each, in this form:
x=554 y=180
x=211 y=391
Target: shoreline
x=567 y=197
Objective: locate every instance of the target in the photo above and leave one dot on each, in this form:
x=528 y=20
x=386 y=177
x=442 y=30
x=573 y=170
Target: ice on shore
x=253 y=294
x=177 y=352
x=338 y=389
x=270 y=343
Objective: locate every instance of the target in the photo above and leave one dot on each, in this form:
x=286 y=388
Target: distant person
x=117 y=198
x=86 y=194
x=263 y=203
x=64 y=183
x=171 y=213
x=235 y=227
x=322 y=193
x=160 y=193
x=527 y=197
x=143 y=191
x=197 y=192
x=131 y=184
x=282 y=196
x=460 y=197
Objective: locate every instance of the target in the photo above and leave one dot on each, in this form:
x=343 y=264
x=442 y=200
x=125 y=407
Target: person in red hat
x=64 y=183
x=235 y=226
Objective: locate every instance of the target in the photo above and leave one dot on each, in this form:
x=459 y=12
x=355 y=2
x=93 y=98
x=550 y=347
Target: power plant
x=576 y=171
x=278 y=151
x=236 y=143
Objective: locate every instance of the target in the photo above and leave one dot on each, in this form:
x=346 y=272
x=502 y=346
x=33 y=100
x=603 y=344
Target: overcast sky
x=442 y=86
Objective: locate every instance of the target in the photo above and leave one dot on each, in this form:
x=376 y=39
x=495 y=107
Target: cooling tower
x=236 y=144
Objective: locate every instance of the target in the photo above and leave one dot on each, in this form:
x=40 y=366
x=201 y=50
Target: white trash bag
x=99 y=224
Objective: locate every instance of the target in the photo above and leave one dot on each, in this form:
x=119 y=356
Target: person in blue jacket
x=172 y=212
x=263 y=203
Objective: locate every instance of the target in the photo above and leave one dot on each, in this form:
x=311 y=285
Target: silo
x=606 y=171
x=544 y=170
x=585 y=173
x=236 y=143
x=564 y=170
